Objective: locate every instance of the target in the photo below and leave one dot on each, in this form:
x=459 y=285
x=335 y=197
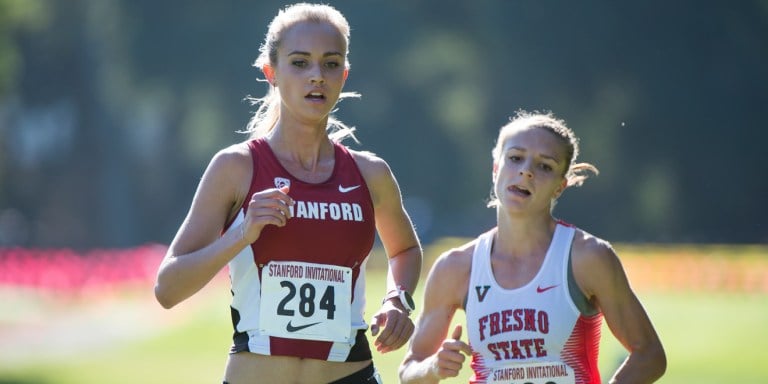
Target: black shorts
x=367 y=375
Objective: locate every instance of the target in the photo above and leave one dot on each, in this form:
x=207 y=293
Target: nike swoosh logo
x=348 y=189
x=290 y=328
x=539 y=289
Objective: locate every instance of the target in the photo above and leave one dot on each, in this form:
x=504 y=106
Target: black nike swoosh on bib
x=291 y=328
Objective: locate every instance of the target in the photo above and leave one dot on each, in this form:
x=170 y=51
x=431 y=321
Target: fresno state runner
x=534 y=289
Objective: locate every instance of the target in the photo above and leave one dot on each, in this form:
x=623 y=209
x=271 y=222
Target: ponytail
x=266 y=115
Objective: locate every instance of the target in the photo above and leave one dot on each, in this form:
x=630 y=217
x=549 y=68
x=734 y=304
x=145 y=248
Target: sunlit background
x=111 y=109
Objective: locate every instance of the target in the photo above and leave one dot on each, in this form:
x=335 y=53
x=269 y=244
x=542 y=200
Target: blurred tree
x=16 y=19
x=110 y=111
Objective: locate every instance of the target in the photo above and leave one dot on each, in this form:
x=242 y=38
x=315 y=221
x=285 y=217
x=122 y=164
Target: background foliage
x=110 y=110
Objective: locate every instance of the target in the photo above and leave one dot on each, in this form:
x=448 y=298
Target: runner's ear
x=269 y=73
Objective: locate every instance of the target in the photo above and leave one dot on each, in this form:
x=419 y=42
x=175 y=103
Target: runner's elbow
x=660 y=361
x=163 y=297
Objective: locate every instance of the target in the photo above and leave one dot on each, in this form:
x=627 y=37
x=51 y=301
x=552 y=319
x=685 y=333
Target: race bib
x=538 y=373
x=306 y=301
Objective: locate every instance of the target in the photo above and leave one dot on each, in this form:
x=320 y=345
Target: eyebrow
x=521 y=149
x=303 y=53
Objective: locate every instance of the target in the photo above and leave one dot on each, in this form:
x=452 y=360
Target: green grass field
x=709 y=338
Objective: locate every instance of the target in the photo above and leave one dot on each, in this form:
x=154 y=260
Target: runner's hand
x=398 y=328
x=270 y=206
x=448 y=360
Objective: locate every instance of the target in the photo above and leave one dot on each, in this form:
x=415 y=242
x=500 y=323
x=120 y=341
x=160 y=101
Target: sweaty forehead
x=536 y=139
x=313 y=38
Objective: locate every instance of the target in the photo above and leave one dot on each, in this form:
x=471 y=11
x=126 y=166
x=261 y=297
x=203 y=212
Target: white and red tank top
x=298 y=290
x=535 y=333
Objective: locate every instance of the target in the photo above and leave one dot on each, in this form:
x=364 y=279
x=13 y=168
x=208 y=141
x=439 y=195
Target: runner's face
x=310 y=71
x=529 y=171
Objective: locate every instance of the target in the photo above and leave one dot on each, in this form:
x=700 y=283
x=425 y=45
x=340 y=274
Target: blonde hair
x=268 y=112
x=575 y=173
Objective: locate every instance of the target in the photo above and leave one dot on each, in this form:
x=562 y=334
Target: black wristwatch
x=405 y=299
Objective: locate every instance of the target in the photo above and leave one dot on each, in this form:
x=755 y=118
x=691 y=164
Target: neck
x=305 y=146
x=523 y=236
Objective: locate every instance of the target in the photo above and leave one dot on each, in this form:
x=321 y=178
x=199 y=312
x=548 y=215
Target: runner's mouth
x=520 y=190
x=315 y=96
